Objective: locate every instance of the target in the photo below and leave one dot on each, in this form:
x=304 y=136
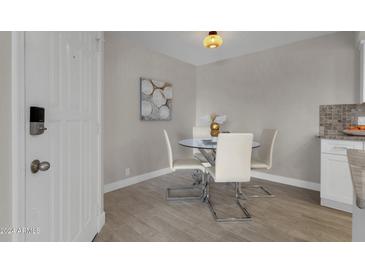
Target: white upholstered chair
x=262 y=159
x=232 y=165
x=183 y=164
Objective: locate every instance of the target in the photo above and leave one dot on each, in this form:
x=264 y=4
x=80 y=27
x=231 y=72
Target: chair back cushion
x=233 y=158
x=169 y=150
x=267 y=140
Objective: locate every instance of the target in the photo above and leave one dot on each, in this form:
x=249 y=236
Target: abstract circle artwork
x=155 y=100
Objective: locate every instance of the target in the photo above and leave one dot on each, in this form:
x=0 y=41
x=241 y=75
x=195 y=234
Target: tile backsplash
x=335 y=118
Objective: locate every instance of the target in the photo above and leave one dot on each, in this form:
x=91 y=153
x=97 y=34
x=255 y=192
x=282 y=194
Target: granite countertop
x=342 y=137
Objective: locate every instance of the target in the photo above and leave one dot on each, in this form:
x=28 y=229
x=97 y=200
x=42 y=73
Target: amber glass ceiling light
x=213 y=40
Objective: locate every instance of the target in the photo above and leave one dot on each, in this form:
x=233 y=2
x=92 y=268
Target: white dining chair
x=183 y=164
x=232 y=165
x=262 y=159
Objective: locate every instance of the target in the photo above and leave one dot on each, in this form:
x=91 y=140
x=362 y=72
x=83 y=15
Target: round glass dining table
x=206 y=146
x=205 y=143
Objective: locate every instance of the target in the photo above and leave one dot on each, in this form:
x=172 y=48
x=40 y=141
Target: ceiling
x=187 y=45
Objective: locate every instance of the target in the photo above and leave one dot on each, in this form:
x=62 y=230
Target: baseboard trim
x=336 y=205
x=285 y=180
x=136 y=179
x=100 y=221
x=255 y=174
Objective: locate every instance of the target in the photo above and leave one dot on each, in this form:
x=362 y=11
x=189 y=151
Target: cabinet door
x=336 y=182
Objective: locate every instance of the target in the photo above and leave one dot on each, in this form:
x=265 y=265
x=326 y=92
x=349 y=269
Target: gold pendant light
x=213 y=40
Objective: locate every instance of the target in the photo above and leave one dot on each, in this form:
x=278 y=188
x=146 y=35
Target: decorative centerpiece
x=214 y=126
x=214 y=122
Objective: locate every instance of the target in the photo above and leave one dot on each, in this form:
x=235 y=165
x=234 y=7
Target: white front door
x=62 y=203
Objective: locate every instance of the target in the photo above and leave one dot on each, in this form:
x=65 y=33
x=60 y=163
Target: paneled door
x=62 y=202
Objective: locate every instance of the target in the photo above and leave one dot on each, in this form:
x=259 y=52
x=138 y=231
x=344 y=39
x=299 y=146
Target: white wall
x=5 y=132
x=129 y=142
x=282 y=88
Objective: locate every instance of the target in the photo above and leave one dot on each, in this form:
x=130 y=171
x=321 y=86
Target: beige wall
x=129 y=142
x=360 y=36
x=5 y=132
x=282 y=88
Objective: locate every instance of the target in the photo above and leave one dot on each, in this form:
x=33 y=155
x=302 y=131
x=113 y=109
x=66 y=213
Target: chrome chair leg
x=267 y=194
x=201 y=187
x=246 y=216
x=240 y=194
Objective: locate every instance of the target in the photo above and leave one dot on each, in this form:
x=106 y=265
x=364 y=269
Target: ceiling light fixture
x=213 y=40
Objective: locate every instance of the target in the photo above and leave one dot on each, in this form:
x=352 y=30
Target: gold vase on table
x=214 y=129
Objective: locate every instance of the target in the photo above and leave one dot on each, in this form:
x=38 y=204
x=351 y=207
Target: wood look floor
x=141 y=213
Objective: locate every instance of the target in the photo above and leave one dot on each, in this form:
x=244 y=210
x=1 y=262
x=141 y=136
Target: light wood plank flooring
x=141 y=213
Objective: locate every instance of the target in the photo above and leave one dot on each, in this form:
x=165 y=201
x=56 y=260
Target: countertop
x=342 y=137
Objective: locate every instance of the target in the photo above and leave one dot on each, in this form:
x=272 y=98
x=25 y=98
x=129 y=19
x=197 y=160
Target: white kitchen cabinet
x=336 y=185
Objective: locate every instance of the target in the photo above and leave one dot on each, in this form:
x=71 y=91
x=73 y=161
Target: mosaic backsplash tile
x=335 y=118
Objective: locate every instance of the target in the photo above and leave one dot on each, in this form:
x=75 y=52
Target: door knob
x=36 y=165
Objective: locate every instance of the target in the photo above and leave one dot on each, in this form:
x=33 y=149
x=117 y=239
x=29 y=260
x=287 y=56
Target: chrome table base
x=210 y=157
x=197 y=177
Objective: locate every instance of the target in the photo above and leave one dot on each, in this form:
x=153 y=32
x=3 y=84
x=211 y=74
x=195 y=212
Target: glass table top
x=206 y=143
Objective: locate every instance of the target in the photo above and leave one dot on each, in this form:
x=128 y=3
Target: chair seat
x=255 y=164
x=188 y=164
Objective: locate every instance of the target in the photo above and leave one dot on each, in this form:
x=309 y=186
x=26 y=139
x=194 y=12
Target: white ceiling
x=187 y=45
